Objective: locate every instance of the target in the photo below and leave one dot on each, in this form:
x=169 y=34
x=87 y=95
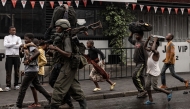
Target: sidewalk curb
x=102 y=96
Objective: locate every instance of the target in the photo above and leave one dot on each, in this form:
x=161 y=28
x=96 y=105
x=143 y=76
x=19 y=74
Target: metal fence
x=118 y=66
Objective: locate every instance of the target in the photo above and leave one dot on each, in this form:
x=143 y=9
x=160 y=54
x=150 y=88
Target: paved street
x=124 y=87
x=179 y=101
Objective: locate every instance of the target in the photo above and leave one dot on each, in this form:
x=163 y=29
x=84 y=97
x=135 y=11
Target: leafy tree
x=115 y=19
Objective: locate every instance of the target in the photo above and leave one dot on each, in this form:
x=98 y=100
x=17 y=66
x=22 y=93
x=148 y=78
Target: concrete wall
x=98 y=44
x=2 y=67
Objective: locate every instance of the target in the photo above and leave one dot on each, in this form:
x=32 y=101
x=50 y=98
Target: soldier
x=66 y=52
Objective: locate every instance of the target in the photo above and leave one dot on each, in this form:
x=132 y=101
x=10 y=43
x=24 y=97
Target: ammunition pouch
x=75 y=61
x=83 y=62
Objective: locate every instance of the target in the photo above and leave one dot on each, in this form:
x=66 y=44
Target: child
x=153 y=70
x=169 y=62
x=140 y=58
x=95 y=76
x=41 y=62
x=31 y=54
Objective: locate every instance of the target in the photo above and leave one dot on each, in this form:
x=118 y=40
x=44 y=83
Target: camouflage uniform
x=66 y=81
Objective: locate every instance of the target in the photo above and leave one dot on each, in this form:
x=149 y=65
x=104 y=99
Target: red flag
x=52 y=4
x=188 y=10
x=85 y=2
x=134 y=5
x=14 y=3
x=32 y=3
x=69 y=3
x=148 y=8
x=162 y=9
x=176 y=10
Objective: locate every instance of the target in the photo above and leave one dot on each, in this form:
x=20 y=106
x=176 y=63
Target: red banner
x=52 y=4
x=176 y=10
x=32 y=3
x=148 y=8
x=69 y=3
x=134 y=5
x=162 y=9
x=188 y=10
x=85 y=3
x=14 y=3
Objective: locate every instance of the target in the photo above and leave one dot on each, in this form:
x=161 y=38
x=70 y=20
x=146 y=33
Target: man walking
x=169 y=62
x=140 y=58
x=12 y=43
x=67 y=55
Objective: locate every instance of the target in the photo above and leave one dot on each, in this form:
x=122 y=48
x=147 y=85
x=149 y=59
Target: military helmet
x=64 y=23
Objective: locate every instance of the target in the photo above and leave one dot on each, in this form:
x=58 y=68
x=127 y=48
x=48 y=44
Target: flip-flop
x=170 y=96
x=185 y=92
x=148 y=102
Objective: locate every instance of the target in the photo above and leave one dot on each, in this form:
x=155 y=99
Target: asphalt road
x=179 y=101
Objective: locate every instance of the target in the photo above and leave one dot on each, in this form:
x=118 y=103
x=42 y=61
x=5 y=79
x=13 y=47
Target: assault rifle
x=84 y=29
x=73 y=31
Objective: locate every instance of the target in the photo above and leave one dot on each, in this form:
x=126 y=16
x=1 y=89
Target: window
x=25 y=20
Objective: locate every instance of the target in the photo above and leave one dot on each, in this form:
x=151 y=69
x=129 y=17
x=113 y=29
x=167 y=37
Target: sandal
x=148 y=102
x=34 y=105
x=170 y=96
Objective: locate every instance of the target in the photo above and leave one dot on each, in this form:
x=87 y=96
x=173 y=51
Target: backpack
x=60 y=13
x=140 y=25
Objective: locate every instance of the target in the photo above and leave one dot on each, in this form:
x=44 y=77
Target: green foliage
x=115 y=21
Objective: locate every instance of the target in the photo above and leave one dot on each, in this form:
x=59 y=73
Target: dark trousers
x=10 y=61
x=31 y=77
x=172 y=70
x=52 y=79
x=138 y=77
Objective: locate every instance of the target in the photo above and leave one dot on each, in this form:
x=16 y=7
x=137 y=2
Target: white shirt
x=153 y=66
x=12 y=44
